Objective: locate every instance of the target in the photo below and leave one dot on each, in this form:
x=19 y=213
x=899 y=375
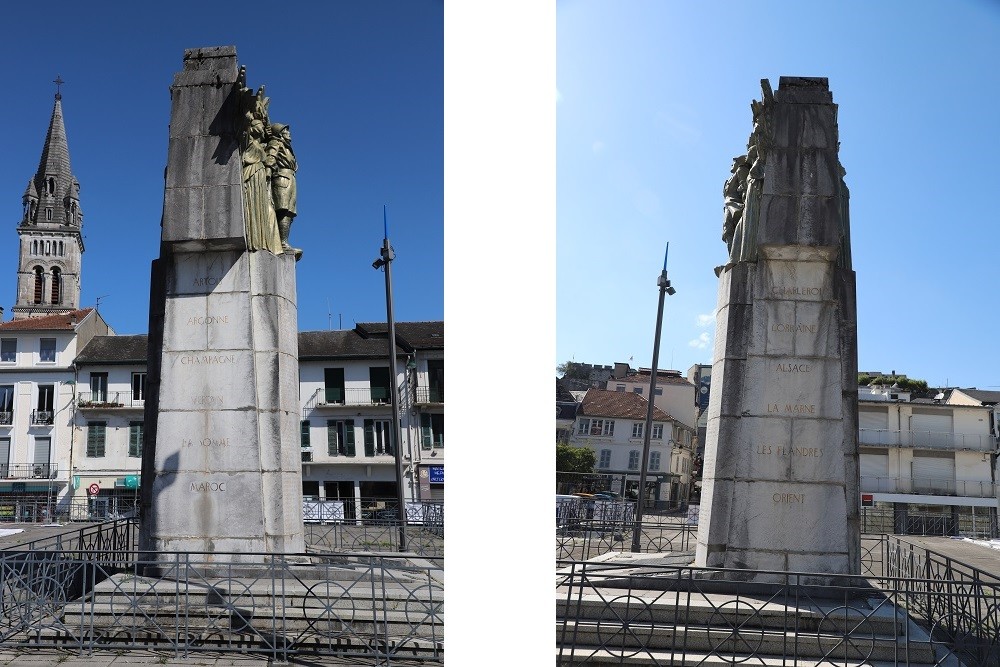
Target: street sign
x=867 y=500
x=131 y=481
x=94 y=489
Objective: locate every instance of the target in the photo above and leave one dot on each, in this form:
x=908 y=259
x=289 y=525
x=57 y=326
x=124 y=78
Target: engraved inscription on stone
x=210 y=319
x=788 y=497
x=208 y=359
x=205 y=442
x=793 y=368
x=789 y=408
x=793 y=327
x=779 y=290
x=207 y=487
x=782 y=450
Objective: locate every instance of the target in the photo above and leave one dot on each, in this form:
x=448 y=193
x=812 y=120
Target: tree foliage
x=574 y=459
x=903 y=382
x=574 y=370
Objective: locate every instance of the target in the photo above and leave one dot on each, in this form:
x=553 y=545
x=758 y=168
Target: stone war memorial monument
x=780 y=488
x=221 y=471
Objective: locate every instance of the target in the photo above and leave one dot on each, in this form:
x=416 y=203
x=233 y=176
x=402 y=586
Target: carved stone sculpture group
x=269 y=166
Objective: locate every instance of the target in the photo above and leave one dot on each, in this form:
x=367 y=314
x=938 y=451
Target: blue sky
x=360 y=83
x=653 y=104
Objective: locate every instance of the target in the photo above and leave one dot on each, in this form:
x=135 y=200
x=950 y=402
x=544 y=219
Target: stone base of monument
x=648 y=571
x=239 y=612
x=634 y=616
x=223 y=475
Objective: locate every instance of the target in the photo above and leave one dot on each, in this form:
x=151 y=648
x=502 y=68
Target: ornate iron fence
x=620 y=614
x=90 y=589
x=583 y=532
x=375 y=536
x=358 y=607
x=910 y=606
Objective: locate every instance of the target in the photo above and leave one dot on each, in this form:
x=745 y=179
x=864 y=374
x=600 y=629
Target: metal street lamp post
x=665 y=288
x=385 y=258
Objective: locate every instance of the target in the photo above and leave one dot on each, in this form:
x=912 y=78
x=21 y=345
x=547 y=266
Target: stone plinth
x=221 y=467
x=780 y=488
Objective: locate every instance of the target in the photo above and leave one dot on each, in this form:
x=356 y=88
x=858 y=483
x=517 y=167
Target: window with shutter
x=369 y=437
x=304 y=437
x=96 y=438
x=135 y=439
x=334 y=436
x=426 y=435
x=349 y=449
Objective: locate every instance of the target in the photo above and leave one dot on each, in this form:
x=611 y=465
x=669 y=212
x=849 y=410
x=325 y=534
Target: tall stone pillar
x=780 y=487
x=221 y=470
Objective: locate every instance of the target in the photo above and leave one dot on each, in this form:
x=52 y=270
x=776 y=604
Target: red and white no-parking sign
x=94 y=489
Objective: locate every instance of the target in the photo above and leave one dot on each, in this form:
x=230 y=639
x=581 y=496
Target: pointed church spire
x=51 y=246
x=54 y=179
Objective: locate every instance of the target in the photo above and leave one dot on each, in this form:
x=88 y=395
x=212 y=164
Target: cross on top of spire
x=59 y=82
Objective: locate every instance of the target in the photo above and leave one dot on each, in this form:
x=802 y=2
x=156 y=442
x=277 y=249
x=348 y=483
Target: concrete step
x=588 y=655
x=320 y=643
x=726 y=641
x=711 y=609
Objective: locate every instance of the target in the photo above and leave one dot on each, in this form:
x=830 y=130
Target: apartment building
x=928 y=461
x=37 y=388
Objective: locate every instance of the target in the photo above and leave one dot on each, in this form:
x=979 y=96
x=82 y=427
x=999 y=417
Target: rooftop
x=58 y=322
x=114 y=350
x=618 y=404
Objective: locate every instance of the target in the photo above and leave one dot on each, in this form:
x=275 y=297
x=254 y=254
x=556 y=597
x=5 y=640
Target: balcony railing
x=930 y=486
x=6 y=418
x=29 y=470
x=333 y=396
x=104 y=399
x=42 y=417
x=430 y=395
x=926 y=440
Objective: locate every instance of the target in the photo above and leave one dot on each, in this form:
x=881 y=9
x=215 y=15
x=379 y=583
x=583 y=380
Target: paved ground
x=35 y=531
x=44 y=657
x=975 y=555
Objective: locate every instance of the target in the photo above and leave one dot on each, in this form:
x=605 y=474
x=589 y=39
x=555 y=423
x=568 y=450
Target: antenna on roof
x=97 y=307
x=329 y=316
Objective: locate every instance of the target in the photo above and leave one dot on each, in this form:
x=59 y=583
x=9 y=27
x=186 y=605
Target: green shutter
x=369 y=437
x=426 y=435
x=135 y=439
x=349 y=438
x=331 y=438
x=305 y=433
x=95 y=439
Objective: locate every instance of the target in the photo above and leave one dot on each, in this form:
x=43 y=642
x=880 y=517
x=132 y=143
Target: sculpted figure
x=281 y=159
x=743 y=246
x=734 y=193
x=258 y=212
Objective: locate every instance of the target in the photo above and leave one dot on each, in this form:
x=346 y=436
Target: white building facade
x=612 y=424
x=36 y=407
x=927 y=460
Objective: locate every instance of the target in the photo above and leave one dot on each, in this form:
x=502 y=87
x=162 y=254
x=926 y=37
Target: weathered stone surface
x=221 y=468
x=780 y=487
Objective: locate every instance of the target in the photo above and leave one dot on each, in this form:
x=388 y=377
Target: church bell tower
x=51 y=245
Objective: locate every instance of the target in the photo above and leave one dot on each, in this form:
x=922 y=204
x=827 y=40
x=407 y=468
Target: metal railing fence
x=585 y=529
x=361 y=608
x=109 y=399
x=663 y=615
x=926 y=439
x=429 y=394
x=426 y=541
x=42 y=417
x=932 y=486
x=29 y=470
x=976 y=522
